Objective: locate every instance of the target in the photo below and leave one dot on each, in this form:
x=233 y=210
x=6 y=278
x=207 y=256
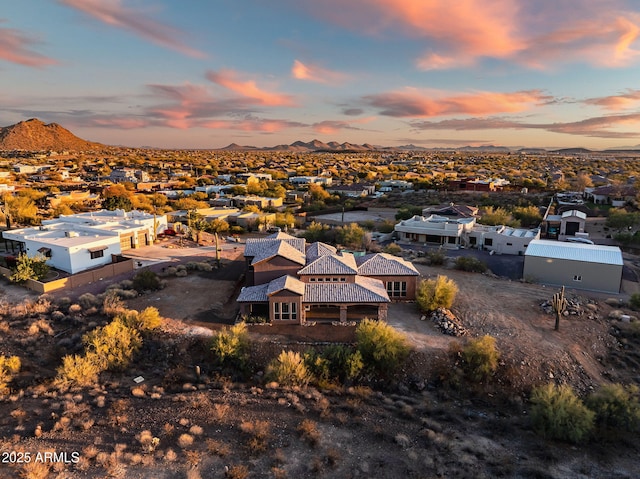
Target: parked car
x=169 y=232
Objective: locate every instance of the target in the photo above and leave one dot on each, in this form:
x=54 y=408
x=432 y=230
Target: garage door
x=125 y=242
x=142 y=239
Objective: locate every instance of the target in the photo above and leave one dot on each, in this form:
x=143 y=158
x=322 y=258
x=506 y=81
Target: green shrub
x=634 y=301
x=469 y=263
x=88 y=300
x=616 y=406
x=345 y=364
x=480 y=358
x=393 y=248
x=231 y=346
x=78 y=371
x=557 y=413
x=436 y=293
x=34 y=267
x=113 y=345
x=437 y=257
x=146 y=280
x=382 y=348
x=9 y=367
x=289 y=369
x=146 y=320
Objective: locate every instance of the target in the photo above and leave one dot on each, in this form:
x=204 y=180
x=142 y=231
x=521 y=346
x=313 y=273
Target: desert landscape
x=173 y=413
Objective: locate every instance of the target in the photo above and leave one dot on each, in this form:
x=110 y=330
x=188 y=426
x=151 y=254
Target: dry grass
x=308 y=430
x=218 y=448
x=35 y=470
x=185 y=440
x=259 y=432
x=237 y=472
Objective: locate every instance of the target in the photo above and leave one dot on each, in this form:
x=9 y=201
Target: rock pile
x=447 y=322
x=575 y=307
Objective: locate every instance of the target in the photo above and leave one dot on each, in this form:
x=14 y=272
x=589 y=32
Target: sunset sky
x=204 y=73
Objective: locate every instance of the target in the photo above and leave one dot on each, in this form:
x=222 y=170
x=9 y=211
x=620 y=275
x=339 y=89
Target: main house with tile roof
x=289 y=281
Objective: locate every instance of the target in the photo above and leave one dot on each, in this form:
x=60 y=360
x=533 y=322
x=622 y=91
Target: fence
x=75 y=280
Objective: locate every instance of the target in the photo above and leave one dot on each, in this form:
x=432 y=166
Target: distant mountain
x=572 y=151
x=306 y=147
x=35 y=135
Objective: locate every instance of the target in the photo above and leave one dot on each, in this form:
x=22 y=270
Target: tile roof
x=285 y=282
x=254 y=294
x=589 y=253
x=317 y=249
x=332 y=264
x=383 y=264
x=265 y=248
x=256 y=245
x=364 y=290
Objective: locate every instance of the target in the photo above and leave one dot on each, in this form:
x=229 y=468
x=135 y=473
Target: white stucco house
x=434 y=229
x=83 y=241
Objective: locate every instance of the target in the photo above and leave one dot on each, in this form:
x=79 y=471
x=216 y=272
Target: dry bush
x=279 y=473
x=259 y=434
x=333 y=456
x=35 y=470
x=75 y=310
x=237 y=472
x=308 y=430
x=185 y=440
x=218 y=448
x=148 y=441
x=40 y=325
x=9 y=367
x=289 y=369
x=220 y=411
x=170 y=455
x=88 y=300
x=148 y=319
x=80 y=371
x=112 y=304
x=113 y=345
x=196 y=430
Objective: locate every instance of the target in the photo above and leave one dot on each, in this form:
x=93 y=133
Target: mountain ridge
x=35 y=135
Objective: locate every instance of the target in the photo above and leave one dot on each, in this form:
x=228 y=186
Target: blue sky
x=203 y=74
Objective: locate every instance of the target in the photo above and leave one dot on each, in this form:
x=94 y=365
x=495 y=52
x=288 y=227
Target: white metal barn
x=574 y=265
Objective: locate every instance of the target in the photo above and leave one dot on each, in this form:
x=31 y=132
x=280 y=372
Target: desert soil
x=203 y=421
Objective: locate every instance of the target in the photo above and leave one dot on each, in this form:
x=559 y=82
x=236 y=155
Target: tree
x=217 y=225
x=382 y=348
x=528 y=215
x=495 y=216
x=34 y=267
x=436 y=293
x=619 y=219
x=117 y=197
x=113 y=345
x=318 y=193
x=351 y=235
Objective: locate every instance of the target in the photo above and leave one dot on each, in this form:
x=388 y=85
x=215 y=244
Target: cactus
x=559 y=304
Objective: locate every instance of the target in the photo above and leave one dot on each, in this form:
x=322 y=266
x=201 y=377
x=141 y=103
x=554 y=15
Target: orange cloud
x=460 y=33
x=112 y=12
x=415 y=103
x=616 y=102
x=302 y=71
x=248 y=89
x=15 y=48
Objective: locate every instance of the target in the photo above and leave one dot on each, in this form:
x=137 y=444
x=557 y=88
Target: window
x=577 y=277
x=285 y=311
x=488 y=241
x=96 y=254
x=312 y=280
x=509 y=244
x=343 y=280
x=472 y=240
x=397 y=289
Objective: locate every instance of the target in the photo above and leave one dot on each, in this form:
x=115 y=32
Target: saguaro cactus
x=559 y=304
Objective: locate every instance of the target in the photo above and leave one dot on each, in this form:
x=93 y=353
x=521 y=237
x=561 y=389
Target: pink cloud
x=411 y=102
x=249 y=89
x=15 y=48
x=113 y=13
x=537 y=34
x=252 y=124
x=616 y=102
x=315 y=73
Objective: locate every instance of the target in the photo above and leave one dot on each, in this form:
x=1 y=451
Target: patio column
x=343 y=314
x=382 y=312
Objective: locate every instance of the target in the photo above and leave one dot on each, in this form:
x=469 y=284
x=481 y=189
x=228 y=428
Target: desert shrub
x=557 y=413
x=239 y=471
x=470 y=263
x=113 y=345
x=382 y=347
x=437 y=257
x=230 y=346
x=436 y=293
x=258 y=432
x=29 y=267
x=308 y=430
x=146 y=280
x=616 y=406
x=480 y=358
x=9 y=367
x=88 y=300
x=198 y=266
x=289 y=369
x=634 y=301
x=145 y=320
x=345 y=364
x=393 y=248
x=78 y=371
x=112 y=303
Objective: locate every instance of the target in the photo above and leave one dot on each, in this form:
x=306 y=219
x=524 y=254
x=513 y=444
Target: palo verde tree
x=29 y=267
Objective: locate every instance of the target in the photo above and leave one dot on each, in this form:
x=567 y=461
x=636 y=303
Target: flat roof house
x=434 y=229
x=84 y=241
x=574 y=265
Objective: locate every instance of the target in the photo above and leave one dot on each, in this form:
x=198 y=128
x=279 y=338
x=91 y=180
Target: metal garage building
x=574 y=265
